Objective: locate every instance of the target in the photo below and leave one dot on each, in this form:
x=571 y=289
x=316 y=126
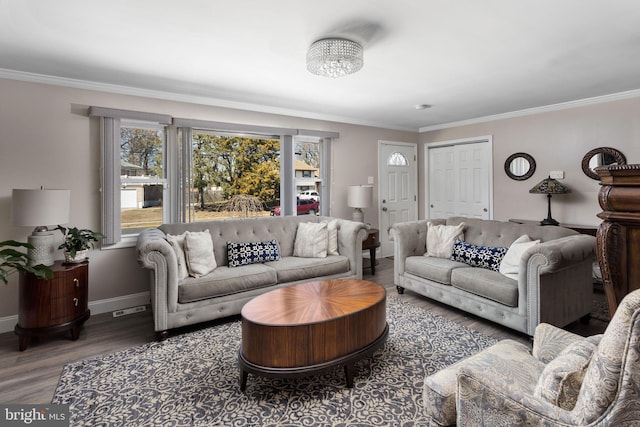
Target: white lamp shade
x=35 y=208
x=359 y=196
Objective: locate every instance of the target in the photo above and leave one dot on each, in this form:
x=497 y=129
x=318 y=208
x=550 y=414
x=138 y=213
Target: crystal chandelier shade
x=334 y=57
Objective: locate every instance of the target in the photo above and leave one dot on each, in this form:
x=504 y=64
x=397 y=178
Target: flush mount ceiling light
x=334 y=57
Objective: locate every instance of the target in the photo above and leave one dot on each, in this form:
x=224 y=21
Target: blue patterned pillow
x=478 y=256
x=243 y=253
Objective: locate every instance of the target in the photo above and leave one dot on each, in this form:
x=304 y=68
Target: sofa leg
x=162 y=335
x=400 y=289
x=585 y=319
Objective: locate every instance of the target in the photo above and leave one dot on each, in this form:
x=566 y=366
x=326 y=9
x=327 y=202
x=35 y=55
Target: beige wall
x=45 y=139
x=557 y=141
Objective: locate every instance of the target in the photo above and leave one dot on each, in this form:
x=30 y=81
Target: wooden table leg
x=372 y=257
x=75 y=332
x=243 y=379
x=348 y=373
x=23 y=342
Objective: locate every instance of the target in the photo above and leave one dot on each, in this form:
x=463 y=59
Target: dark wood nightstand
x=48 y=307
x=372 y=242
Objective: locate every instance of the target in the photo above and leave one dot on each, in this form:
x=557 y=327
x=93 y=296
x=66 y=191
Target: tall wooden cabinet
x=48 y=307
x=618 y=236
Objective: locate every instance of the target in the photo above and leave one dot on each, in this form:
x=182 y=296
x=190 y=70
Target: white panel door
x=398 y=195
x=441 y=182
x=459 y=180
x=473 y=180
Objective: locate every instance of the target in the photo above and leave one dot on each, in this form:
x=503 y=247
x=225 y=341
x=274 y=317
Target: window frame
x=177 y=164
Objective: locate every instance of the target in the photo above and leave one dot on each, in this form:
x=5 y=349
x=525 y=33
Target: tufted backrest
x=502 y=234
x=610 y=385
x=283 y=229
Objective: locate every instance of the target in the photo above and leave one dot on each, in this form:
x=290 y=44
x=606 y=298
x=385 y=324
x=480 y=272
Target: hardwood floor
x=31 y=376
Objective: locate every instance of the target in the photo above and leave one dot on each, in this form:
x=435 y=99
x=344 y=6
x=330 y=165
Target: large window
x=233 y=175
x=142 y=177
x=158 y=169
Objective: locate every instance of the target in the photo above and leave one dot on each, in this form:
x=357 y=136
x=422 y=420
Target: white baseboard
x=109 y=305
x=113 y=304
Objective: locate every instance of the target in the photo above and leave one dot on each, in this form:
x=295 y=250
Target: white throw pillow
x=510 y=264
x=177 y=243
x=332 y=239
x=198 y=251
x=440 y=239
x=311 y=240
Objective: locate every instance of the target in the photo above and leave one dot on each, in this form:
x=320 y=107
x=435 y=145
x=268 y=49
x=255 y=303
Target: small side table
x=372 y=242
x=48 y=307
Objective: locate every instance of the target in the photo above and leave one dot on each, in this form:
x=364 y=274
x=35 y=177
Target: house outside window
x=308 y=164
x=142 y=176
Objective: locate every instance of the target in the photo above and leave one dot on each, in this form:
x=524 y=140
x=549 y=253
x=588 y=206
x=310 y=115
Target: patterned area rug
x=193 y=379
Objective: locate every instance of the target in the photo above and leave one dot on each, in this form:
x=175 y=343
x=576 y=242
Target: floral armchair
x=565 y=380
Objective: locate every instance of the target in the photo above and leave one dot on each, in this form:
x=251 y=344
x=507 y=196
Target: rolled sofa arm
x=157 y=255
x=351 y=234
x=410 y=239
x=153 y=239
x=559 y=253
x=549 y=341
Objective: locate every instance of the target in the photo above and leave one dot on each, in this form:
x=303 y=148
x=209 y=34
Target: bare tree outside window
x=228 y=166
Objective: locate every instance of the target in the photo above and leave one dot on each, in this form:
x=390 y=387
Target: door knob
x=385 y=209
x=485 y=209
x=431 y=205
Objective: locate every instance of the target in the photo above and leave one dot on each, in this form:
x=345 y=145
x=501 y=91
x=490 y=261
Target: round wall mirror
x=519 y=166
x=601 y=156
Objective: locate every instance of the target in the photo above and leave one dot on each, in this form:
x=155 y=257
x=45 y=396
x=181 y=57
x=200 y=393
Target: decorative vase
x=80 y=256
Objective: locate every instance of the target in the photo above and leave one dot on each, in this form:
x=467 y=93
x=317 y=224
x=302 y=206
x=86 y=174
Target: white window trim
x=111 y=180
x=325 y=168
x=177 y=164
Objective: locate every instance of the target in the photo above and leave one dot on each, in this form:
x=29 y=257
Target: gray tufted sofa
x=180 y=302
x=554 y=282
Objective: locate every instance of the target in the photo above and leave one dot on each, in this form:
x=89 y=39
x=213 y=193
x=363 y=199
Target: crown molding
x=537 y=110
x=178 y=97
x=218 y=102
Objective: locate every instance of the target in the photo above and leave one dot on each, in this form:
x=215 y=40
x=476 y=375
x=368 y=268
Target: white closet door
x=459 y=180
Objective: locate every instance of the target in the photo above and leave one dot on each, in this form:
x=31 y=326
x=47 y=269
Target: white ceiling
x=466 y=58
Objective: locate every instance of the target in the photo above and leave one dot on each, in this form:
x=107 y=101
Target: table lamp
x=358 y=197
x=549 y=186
x=39 y=209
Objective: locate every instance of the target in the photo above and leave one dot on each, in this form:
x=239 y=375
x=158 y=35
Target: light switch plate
x=556 y=174
x=370 y=180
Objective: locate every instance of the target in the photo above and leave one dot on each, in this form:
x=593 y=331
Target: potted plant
x=77 y=242
x=11 y=259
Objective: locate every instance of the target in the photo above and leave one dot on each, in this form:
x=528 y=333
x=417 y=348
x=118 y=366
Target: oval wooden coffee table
x=312 y=327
